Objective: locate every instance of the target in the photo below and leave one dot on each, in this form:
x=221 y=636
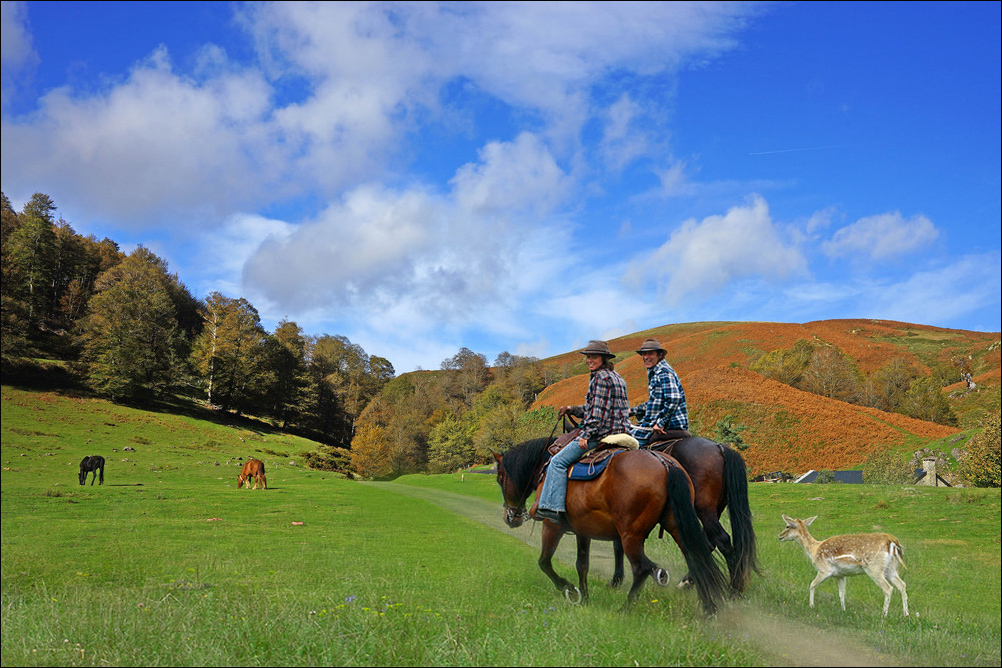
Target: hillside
x=788 y=429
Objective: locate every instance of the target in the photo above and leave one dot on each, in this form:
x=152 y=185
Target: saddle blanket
x=592 y=469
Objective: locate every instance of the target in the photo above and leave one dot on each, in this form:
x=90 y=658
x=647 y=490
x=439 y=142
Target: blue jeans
x=554 y=494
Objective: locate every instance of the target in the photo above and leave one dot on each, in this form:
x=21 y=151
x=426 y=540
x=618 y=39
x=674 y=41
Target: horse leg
x=719 y=539
x=633 y=546
x=584 y=553
x=617 y=557
x=551 y=538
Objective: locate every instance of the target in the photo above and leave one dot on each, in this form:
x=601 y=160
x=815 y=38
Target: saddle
x=593 y=463
x=667 y=441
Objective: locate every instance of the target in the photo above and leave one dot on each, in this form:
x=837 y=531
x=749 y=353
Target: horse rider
x=665 y=408
x=605 y=411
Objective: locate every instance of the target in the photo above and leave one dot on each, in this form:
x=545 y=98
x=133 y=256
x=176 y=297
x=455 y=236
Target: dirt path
x=788 y=642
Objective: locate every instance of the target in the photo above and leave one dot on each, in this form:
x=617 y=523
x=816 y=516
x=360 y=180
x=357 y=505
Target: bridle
x=513 y=513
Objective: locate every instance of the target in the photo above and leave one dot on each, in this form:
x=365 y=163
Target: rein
x=518 y=512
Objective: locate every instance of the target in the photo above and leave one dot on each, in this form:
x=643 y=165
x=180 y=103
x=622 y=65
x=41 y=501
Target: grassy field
x=168 y=563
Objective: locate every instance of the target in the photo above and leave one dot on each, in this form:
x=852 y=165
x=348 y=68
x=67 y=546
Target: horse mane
x=520 y=461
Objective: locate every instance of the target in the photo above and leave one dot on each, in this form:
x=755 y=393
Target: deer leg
x=900 y=584
x=841 y=592
x=821 y=577
x=885 y=587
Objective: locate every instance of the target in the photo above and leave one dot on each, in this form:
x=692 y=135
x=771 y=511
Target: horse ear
x=497 y=457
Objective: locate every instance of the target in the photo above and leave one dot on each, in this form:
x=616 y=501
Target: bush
x=980 y=464
x=328 y=458
x=727 y=432
x=885 y=467
x=825 y=477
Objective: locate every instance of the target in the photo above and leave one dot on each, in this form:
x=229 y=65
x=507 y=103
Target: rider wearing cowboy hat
x=605 y=411
x=665 y=408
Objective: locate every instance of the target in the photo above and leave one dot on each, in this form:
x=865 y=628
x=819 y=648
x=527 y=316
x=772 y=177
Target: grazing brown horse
x=720 y=481
x=254 y=468
x=92 y=464
x=638 y=490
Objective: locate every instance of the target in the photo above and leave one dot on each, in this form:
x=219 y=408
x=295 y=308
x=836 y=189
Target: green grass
x=169 y=564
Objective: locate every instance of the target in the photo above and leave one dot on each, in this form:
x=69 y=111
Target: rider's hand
x=583 y=444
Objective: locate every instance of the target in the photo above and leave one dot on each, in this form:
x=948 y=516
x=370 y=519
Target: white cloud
x=16 y=48
x=511 y=178
x=417 y=254
x=622 y=141
x=701 y=257
x=674 y=181
x=156 y=142
x=880 y=237
x=160 y=143
x=943 y=294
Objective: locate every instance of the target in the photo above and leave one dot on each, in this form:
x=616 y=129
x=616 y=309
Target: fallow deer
x=876 y=554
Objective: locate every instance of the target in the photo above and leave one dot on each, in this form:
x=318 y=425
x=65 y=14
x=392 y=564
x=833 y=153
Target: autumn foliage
x=790 y=429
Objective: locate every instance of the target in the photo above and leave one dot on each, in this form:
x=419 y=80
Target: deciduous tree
x=131 y=339
x=981 y=464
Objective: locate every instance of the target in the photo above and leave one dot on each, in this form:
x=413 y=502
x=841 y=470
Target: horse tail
x=102 y=472
x=703 y=570
x=742 y=532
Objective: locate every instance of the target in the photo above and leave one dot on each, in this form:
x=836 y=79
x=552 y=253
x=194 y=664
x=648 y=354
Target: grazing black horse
x=91 y=464
x=720 y=480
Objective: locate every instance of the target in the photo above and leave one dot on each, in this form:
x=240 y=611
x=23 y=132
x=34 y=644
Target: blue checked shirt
x=665 y=406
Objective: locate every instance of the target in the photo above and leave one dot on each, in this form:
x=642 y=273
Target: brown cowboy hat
x=651 y=346
x=597 y=348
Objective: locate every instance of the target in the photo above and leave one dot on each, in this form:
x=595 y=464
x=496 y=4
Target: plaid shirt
x=665 y=406
x=606 y=409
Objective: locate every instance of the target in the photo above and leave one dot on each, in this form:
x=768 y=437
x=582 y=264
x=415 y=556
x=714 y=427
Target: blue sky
x=420 y=177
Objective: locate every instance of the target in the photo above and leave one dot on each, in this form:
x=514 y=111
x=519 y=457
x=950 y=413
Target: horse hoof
x=662 y=577
x=574 y=601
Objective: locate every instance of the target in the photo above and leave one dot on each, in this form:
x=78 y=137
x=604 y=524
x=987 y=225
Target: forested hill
x=78 y=313
x=820 y=395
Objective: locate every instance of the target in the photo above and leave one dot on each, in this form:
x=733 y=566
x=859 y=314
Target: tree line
x=898 y=386
x=134 y=332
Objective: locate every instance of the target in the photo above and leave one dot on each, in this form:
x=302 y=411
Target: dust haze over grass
x=169 y=564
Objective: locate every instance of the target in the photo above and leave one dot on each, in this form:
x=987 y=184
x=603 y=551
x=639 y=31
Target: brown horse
x=638 y=490
x=720 y=480
x=254 y=468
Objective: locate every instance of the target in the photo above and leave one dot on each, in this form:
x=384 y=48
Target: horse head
x=514 y=507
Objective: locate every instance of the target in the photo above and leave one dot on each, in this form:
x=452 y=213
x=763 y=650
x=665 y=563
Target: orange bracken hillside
x=788 y=429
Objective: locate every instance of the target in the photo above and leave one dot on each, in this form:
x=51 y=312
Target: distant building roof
x=845 y=477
